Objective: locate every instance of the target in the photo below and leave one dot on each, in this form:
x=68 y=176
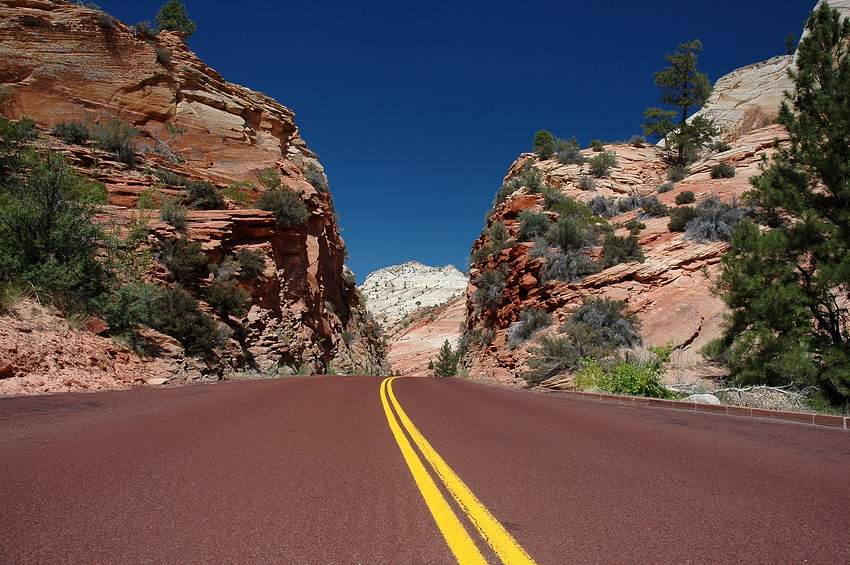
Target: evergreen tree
x=789 y=288
x=446 y=365
x=172 y=17
x=684 y=88
x=544 y=144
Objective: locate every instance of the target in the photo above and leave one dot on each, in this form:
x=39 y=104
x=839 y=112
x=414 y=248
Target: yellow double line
x=458 y=539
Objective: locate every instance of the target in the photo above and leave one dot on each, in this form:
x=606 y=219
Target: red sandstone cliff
x=66 y=62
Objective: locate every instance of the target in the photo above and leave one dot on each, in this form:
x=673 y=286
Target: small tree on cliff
x=684 y=88
x=446 y=365
x=172 y=17
x=544 y=144
x=789 y=287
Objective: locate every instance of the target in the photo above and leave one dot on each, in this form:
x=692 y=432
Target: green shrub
x=714 y=221
x=722 y=171
x=531 y=178
x=106 y=21
x=604 y=207
x=679 y=218
x=567 y=266
x=552 y=357
x=118 y=139
x=172 y=17
x=251 y=263
x=567 y=207
x=569 y=152
x=532 y=225
x=172 y=211
x=183 y=258
x=142 y=28
x=634 y=379
x=616 y=250
x=601 y=164
x=530 y=322
x=491 y=284
x=503 y=193
x=316 y=177
x=72 y=132
x=203 y=195
x=677 y=173
x=597 y=145
x=498 y=236
x=603 y=325
x=234 y=191
x=129 y=307
x=269 y=178
x=685 y=197
x=163 y=56
x=634 y=226
x=288 y=209
x=544 y=144
x=567 y=233
x=652 y=207
x=719 y=146
x=586 y=183
x=446 y=365
x=177 y=313
x=666 y=187
x=170 y=178
x=147 y=199
x=227 y=298
x=637 y=140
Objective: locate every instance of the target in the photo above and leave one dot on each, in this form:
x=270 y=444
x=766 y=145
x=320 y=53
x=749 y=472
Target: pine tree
x=446 y=365
x=789 y=287
x=544 y=144
x=684 y=88
x=172 y=17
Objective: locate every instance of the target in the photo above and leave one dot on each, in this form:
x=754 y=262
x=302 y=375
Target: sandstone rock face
x=64 y=64
x=394 y=292
x=669 y=290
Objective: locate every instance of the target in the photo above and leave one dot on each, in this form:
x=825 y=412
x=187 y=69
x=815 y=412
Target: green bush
x=532 y=225
x=170 y=178
x=637 y=140
x=634 y=226
x=616 y=250
x=719 y=146
x=567 y=266
x=597 y=145
x=129 y=307
x=117 y=138
x=172 y=17
x=677 y=173
x=227 y=298
x=147 y=199
x=652 y=207
x=604 y=207
x=234 y=191
x=503 y=193
x=163 y=56
x=586 y=183
x=685 y=197
x=553 y=356
x=178 y=314
x=530 y=322
x=490 y=285
x=679 y=218
x=203 y=195
x=601 y=164
x=714 y=221
x=316 y=177
x=251 y=263
x=289 y=210
x=531 y=178
x=634 y=379
x=722 y=171
x=183 y=258
x=569 y=152
x=75 y=133
x=567 y=233
x=172 y=211
x=544 y=144
x=605 y=325
x=666 y=187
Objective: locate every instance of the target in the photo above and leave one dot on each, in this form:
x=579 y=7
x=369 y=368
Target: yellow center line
x=502 y=542
x=456 y=536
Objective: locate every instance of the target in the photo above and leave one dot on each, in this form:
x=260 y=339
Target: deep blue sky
x=417 y=109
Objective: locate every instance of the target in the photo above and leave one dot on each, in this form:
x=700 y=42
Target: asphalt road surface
x=353 y=470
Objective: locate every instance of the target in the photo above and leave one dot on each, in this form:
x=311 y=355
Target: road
x=312 y=471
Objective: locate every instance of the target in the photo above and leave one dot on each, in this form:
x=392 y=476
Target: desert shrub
x=677 y=173
x=178 y=314
x=170 y=178
x=163 y=56
x=473 y=338
x=531 y=178
x=685 y=197
x=604 y=207
x=666 y=187
x=147 y=199
x=172 y=211
x=315 y=177
x=530 y=322
x=637 y=140
x=567 y=266
x=106 y=21
x=532 y=225
x=617 y=249
x=503 y=193
x=289 y=210
x=72 y=132
x=234 y=191
x=630 y=202
x=597 y=145
x=601 y=164
x=652 y=207
x=544 y=144
x=251 y=263
x=634 y=379
x=498 y=236
x=565 y=206
x=722 y=171
x=608 y=324
x=269 y=178
x=129 y=307
x=227 y=298
x=634 y=226
x=570 y=153
x=714 y=221
x=142 y=28
x=679 y=218
x=553 y=356
x=719 y=146
x=567 y=233
x=117 y=138
x=183 y=258
x=480 y=254
x=203 y=195
x=491 y=284
x=586 y=183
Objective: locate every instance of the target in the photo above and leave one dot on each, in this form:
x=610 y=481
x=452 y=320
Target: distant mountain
x=395 y=291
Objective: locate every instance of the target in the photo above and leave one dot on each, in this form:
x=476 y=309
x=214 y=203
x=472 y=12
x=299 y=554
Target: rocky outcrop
x=669 y=290
x=396 y=291
x=66 y=62
x=418 y=339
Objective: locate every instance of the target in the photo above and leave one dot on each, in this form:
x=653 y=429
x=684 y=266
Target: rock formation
x=66 y=62
x=394 y=292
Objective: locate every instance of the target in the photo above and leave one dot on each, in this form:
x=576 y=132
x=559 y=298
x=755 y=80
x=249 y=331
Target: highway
x=363 y=470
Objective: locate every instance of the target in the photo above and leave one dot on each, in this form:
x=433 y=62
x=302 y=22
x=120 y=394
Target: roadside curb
x=825 y=420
